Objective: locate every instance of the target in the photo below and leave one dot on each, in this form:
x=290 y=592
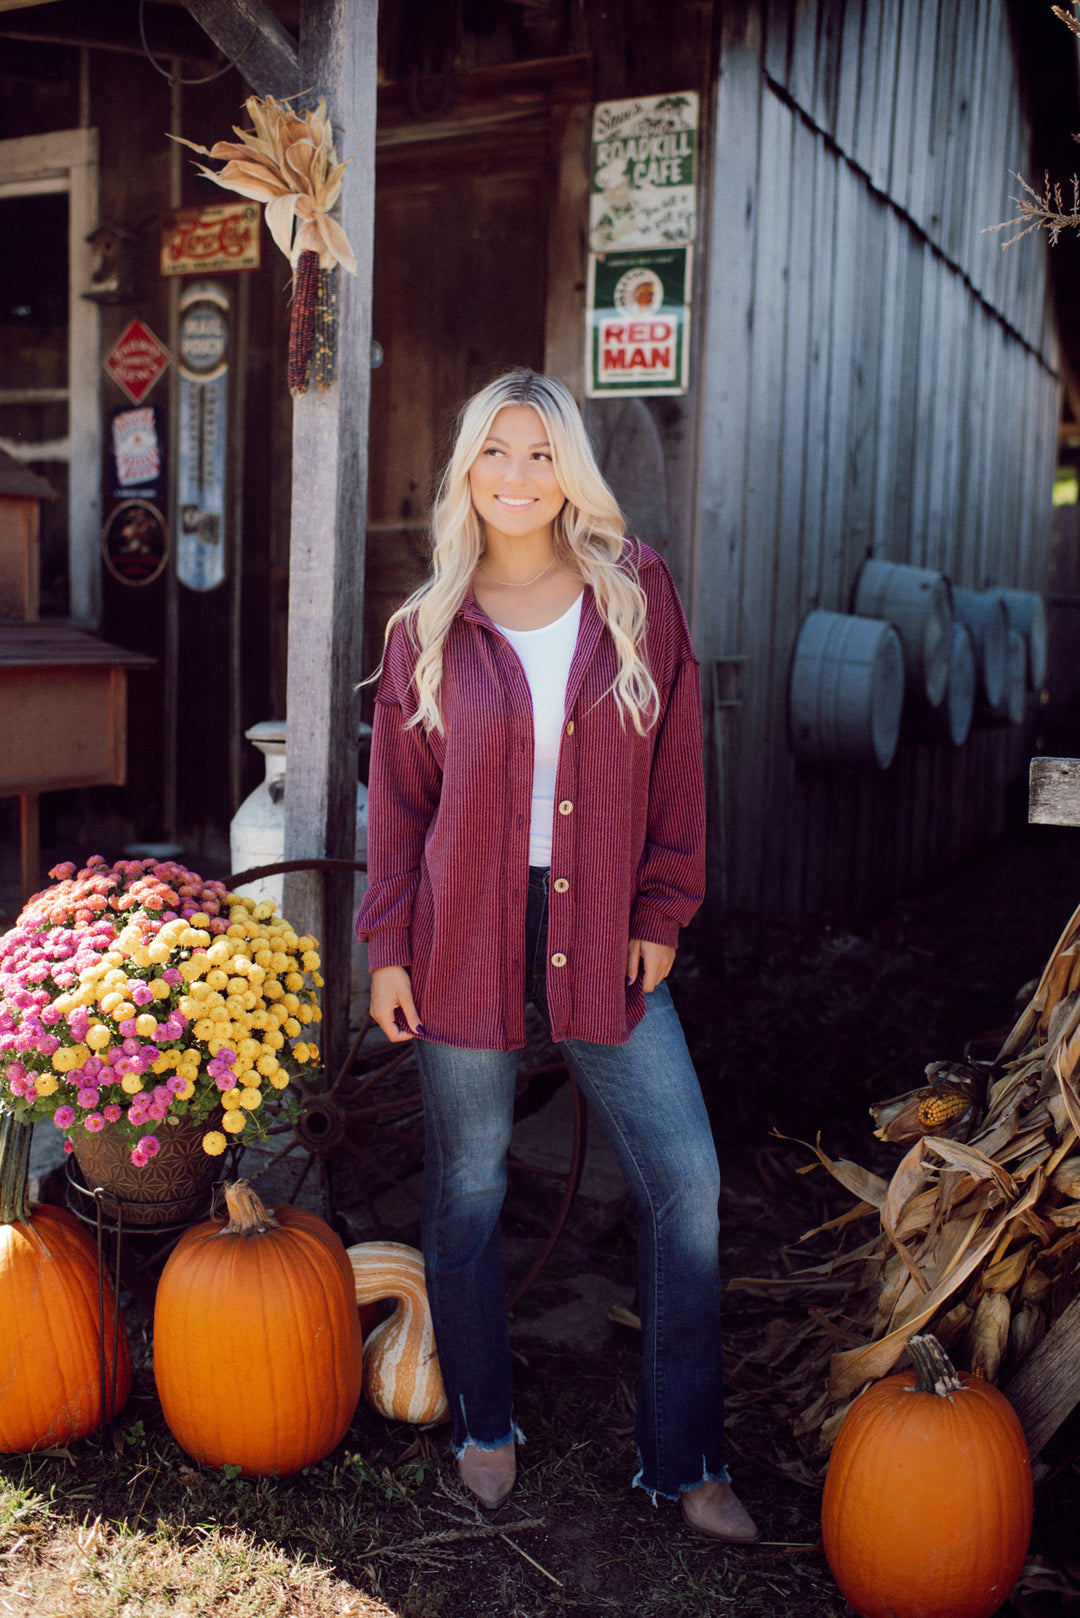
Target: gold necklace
x=512 y=584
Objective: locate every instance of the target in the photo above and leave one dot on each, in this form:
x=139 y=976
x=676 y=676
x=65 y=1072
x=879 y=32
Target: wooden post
x=329 y=499
x=1054 y=792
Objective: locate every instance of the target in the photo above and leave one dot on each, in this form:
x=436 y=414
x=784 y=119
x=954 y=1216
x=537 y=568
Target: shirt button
x=566 y=807
x=558 y=959
x=570 y=728
x=561 y=884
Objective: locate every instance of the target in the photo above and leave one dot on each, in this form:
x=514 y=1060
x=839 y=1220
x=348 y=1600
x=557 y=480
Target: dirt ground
x=799 y=1038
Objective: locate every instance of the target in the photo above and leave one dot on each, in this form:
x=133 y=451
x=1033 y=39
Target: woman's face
x=512 y=480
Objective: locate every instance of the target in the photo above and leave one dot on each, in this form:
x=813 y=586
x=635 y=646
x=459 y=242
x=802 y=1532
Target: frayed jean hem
x=515 y=1435
x=723 y=1476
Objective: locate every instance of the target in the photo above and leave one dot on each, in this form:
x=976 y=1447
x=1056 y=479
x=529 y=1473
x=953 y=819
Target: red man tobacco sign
x=137 y=360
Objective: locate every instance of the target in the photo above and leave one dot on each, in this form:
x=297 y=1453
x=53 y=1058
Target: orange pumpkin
x=256 y=1339
x=928 y=1496
x=50 y=1342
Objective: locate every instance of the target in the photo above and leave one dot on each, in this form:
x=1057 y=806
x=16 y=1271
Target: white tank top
x=546 y=655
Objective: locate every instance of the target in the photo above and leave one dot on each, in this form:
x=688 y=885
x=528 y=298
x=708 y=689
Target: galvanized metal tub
x=951 y=722
x=1026 y=613
x=1015 y=699
x=846 y=691
x=917 y=601
x=983 y=611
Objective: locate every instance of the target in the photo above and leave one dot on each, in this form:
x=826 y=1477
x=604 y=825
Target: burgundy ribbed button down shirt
x=448 y=828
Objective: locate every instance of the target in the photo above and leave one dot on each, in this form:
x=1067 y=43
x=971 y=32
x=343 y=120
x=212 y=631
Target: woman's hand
x=657 y=960
x=391 y=994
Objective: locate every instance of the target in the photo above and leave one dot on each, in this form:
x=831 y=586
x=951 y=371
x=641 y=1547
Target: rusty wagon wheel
x=371 y=1112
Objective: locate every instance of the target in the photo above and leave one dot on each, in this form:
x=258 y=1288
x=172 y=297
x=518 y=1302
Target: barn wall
x=878 y=379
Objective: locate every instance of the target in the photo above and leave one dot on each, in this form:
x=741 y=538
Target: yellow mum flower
x=234 y=1122
x=272 y=989
x=219 y=952
x=65 y=1059
x=46 y=1084
x=318 y=979
x=280 y=1079
x=316 y=1014
x=160 y=1064
x=310 y=960
x=243 y=1064
x=313 y=1053
x=203 y=1029
x=146 y=1025
x=279 y=962
x=264 y=957
x=263 y=910
x=140 y=955
x=256 y=975
x=191 y=971
x=250 y=1098
x=111 y=957
x=259 y=1018
x=200 y=919
x=291 y=1027
x=235 y=930
x=189 y=1006
x=124 y=1010
x=300 y=1051
x=305 y=1014
x=217 y=979
x=267 y=1064
x=250 y=999
x=132 y=1083
x=236 y=984
x=248 y=1047
x=110 y=1001
x=64 y=1002
x=291 y=1002
x=230 y=1100
x=214 y=1143
x=274 y=1038
x=187 y=1092
x=160 y=989
x=98 y=1037
x=234 y=1005
x=86 y=996
x=294 y=981
x=159 y=951
x=306 y=941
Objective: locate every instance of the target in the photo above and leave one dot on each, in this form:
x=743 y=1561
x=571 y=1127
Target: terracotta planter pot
x=173 y=1188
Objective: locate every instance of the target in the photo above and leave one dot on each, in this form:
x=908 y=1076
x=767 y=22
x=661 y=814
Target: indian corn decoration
x=976 y=1236
x=288 y=163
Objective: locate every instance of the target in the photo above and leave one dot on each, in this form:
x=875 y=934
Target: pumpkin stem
x=936 y=1372
x=14 y=1169
x=247 y=1214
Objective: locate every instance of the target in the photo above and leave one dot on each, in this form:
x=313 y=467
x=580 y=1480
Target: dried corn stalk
x=979 y=1226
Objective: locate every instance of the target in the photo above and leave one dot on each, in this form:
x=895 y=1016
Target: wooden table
x=63 y=719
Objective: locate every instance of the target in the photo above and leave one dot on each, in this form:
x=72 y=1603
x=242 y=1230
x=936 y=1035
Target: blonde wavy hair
x=589 y=538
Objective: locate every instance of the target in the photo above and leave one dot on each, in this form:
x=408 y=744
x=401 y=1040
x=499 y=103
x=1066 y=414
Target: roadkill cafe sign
x=642 y=222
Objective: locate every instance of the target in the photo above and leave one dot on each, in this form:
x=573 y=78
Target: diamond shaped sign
x=136 y=361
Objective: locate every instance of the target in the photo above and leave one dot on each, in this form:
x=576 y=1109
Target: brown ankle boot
x=488 y=1473
x=715 y=1510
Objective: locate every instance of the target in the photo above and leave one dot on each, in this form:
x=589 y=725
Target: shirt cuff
x=653 y=926
x=389 y=948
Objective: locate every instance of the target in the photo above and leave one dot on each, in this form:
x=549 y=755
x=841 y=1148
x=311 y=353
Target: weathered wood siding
x=878 y=379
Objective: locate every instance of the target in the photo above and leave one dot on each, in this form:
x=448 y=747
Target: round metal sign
x=204 y=342
x=135 y=542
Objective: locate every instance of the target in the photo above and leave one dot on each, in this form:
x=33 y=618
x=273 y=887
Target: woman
x=536 y=829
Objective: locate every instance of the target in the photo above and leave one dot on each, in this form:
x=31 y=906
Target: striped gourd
x=401 y=1370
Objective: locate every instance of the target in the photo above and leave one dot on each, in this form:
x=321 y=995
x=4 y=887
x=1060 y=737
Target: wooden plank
x=1046 y=1388
x=922 y=112
x=326 y=562
x=757 y=594
x=61 y=727
x=1054 y=792
x=727 y=294
x=254 y=41
x=564 y=321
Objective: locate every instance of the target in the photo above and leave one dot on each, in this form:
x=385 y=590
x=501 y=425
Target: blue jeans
x=647 y=1098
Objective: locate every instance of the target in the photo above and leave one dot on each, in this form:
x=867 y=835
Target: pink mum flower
x=94 y=1121
x=112 y=1112
x=64 y=1117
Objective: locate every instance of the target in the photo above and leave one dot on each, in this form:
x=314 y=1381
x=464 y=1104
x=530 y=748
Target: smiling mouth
x=517 y=504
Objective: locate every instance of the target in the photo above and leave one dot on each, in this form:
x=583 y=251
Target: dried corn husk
x=979 y=1236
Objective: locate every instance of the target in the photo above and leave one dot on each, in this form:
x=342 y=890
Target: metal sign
x=638 y=320
x=135 y=542
x=643 y=181
x=202 y=434
x=211 y=241
x=136 y=361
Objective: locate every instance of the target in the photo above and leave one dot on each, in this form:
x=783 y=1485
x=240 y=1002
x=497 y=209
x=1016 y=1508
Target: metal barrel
x=983 y=611
x=846 y=692
x=1026 y=613
x=917 y=601
x=951 y=722
x=1015 y=702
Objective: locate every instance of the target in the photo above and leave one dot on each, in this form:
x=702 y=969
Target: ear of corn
x=302 y=324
